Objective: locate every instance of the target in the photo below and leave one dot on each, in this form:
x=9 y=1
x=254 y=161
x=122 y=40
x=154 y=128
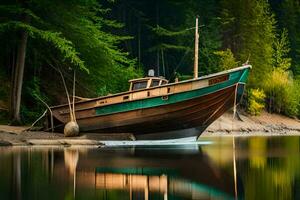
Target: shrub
x=296 y=88
x=282 y=93
x=292 y=99
x=256 y=101
x=226 y=59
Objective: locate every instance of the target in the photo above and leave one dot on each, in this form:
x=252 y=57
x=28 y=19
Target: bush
x=292 y=99
x=282 y=93
x=256 y=101
x=226 y=59
x=297 y=93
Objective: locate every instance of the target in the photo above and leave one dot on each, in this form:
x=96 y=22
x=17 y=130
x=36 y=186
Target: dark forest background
x=109 y=42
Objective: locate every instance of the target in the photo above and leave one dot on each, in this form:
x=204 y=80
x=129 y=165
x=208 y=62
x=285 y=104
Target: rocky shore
x=243 y=125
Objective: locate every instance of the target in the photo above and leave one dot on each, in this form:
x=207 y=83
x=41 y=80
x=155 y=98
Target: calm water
x=221 y=168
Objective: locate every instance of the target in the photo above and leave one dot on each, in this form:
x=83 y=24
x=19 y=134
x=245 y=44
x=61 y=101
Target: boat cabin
x=147 y=82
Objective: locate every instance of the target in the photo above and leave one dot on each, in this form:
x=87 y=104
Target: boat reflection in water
x=114 y=173
x=154 y=174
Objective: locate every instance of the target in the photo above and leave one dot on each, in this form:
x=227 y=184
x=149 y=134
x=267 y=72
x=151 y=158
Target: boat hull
x=185 y=119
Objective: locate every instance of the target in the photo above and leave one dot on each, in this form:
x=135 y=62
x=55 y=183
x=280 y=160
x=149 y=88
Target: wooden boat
x=153 y=108
x=156 y=109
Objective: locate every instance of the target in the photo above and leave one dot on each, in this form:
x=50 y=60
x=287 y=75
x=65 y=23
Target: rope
x=66 y=90
x=28 y=129
x=68 y=96
x=74 y=96
x=234 y=103
x=178 y=65
x=186 y=52
x=82 y=98
x=51 y=114
x=57 y=126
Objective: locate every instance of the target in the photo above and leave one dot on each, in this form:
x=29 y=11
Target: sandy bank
x=245 y=125
x=17 y=136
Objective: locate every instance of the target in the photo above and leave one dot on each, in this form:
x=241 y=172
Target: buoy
x=71 y=129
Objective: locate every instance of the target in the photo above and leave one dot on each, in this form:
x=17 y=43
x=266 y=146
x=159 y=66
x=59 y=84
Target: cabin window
x=125 y=98
x=154 y=83
x=139 y=85
x=163 y=82
x=101 y=102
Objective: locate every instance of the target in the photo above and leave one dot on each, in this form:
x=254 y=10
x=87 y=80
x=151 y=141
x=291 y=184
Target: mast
x=196 y=50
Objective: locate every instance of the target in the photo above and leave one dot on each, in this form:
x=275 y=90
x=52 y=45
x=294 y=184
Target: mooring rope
x=51 y=114
x=32 y=125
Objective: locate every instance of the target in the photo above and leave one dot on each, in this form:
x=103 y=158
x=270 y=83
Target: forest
x=108 y=42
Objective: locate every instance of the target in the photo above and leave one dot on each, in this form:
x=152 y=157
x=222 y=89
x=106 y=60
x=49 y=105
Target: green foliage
x=256 y=101
x=160 y=31
x=65 y=34
x=183 y=77
x=226 y=59
x=282 y=93
x=292 y=106
x=288 y=16
x=249 y=31
x=281 y=51
x=296 y=92
x=64 y=46
x=87 y=35
x=32 y=106
x=164 y=34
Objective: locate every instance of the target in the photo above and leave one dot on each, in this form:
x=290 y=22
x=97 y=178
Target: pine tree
x=281 y=58
x=288 y=16
x=65 y=34
x=164 y=33
x=251 y=25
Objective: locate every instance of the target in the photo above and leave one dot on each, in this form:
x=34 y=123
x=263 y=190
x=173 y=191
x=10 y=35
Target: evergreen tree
x=62 y=34
x=164 y=33
x=86 y=36
x=281 y=52
x=288 y=17
x=251 y=25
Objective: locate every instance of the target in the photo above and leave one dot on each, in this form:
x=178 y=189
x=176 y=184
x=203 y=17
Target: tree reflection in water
x=268 y=167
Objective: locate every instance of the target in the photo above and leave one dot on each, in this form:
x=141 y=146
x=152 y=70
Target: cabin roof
x=147 y=78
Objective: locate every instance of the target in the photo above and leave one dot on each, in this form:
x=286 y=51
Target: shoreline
x=245 y=125
x=242 y=126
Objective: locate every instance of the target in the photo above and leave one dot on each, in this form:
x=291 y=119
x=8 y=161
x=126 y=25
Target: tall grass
x=283 y=95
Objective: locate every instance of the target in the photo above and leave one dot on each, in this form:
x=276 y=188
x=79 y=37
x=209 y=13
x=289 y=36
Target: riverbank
x=244 y=125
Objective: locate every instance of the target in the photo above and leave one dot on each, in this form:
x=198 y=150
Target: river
x=214 y=168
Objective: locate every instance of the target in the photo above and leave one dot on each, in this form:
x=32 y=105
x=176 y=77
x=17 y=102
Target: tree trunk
x=12 y=83
x=17 y=78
